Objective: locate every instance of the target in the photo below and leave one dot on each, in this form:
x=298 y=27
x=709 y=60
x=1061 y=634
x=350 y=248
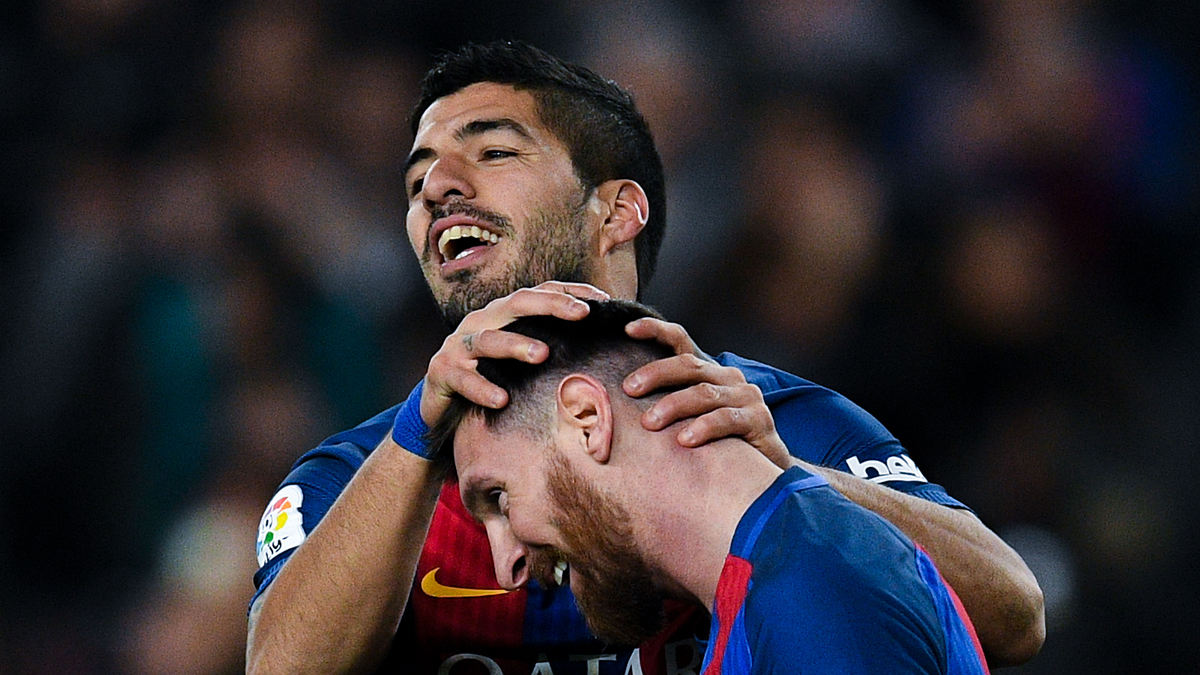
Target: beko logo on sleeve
x=898 y=467
x=282 y=526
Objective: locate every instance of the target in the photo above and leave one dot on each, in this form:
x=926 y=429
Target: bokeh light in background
x=978 y=220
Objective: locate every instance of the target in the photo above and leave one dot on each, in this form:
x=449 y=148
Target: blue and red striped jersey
x=459 y=622
x=816 y=584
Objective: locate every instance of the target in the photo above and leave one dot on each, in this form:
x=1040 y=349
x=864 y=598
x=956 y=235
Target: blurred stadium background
x=978 y=220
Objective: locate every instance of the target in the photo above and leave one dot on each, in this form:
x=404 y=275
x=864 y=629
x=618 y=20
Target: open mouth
x=561 y=573
x=460 y=241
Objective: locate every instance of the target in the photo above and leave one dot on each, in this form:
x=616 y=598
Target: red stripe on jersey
x=731 y=595
x=961 y=611
x=457 y=548
x=684 y=620
x=966 y=619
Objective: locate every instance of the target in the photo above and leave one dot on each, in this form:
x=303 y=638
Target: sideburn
x=613 y=586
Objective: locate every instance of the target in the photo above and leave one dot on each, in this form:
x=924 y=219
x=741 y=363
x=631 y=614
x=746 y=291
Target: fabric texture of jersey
x=462 y=631
x=816 y=584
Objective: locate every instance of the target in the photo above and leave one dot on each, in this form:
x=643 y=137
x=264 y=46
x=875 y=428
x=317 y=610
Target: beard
x=613 y=585
x=554 y=247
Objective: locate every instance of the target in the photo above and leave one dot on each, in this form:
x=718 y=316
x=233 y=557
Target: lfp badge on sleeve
x=282 y=526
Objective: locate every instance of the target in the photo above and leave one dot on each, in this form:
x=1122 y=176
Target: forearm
x=336 y=604
x=997 y=589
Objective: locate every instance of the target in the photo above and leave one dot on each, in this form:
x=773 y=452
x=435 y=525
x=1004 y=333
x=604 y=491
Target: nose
x=509 y=556
x=446 y=179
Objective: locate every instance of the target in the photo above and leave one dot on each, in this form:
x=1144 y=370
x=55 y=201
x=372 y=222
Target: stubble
x=614 y=586
x=555 y=246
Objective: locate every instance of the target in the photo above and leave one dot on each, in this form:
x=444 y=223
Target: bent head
x=537 y=473
x=524 y=169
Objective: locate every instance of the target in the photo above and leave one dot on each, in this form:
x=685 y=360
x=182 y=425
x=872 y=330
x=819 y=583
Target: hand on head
x=721 y=403
x=452 y=369
x=716 y=400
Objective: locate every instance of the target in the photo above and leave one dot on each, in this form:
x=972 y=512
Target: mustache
x=497 y=222
x=542 y=561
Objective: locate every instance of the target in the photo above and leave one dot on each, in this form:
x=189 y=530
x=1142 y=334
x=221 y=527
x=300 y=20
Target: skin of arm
x=999 y=592
x=336 y=604
x=350 y=598
x=335 y=608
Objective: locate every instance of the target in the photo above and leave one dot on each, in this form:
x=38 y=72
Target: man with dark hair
x=605 y=135
x=798 y=578
x=509 y=211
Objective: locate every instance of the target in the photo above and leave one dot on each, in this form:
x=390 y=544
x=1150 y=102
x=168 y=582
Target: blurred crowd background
x=976 y=219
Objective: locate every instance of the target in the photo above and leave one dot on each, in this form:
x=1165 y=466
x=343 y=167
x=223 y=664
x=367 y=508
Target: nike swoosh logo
x=435 y=589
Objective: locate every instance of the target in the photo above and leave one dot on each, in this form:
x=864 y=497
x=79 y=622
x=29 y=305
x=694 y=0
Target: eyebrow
x=469 y=130
x=472 y=494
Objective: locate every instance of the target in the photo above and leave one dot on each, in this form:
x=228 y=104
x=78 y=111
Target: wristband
x=410 y=429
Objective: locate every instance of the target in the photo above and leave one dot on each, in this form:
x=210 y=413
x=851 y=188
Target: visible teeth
x=463 y=254
x=450 y=234
x=560 y=569
x=461 y=231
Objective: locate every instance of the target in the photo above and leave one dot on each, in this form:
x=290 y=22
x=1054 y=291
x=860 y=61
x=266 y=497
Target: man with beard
x=526 y=169
x=798 y=578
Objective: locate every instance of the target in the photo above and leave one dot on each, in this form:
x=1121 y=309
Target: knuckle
x=736 y=416
x=439 y=360
x=518 y=297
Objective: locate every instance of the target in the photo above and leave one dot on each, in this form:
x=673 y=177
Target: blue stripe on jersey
x=963 y=655
x=551 y=617
x=785 y=491
x=738 y=658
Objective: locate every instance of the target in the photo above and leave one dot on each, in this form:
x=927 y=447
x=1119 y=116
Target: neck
x=692 y=502
x=616 y=274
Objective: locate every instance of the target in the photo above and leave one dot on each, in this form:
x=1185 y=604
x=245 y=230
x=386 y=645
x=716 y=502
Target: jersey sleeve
x=836 y=589
x=819 y=622
x=309 y=490
x=822 y=427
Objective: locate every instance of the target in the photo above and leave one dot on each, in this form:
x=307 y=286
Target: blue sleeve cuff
x=409 y=430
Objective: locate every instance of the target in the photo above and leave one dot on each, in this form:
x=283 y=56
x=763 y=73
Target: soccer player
x=527 y=169
x=798 y=578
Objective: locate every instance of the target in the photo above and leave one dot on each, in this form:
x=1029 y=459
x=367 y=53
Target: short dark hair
x=596 y=344
x=595 y=118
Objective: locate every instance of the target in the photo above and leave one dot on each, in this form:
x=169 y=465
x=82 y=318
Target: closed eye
x=499 y=498
x=487 y=502
x=416 y=187
x=484 y=497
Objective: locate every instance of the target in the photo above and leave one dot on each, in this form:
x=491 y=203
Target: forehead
x=472 y=439
x=481 y=452
x=482 y=100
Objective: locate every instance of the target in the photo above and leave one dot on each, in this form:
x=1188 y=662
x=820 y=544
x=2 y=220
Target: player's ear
x=585 y=415
x=624 y=209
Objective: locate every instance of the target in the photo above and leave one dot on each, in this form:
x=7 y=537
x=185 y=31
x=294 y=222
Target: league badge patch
x=281 y=527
